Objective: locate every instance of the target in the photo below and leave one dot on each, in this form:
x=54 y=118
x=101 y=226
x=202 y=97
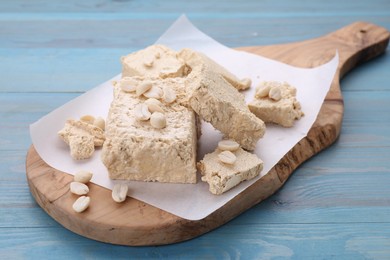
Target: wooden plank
x=204 y=7
x=78 y=70
x=326 y=187
x=58 y=69
x=100 y=33
x=314 y=241
x=356 y=43
x=318 y=199
x=225 y=242
x=22 y=109
x=18 y=111
x=371 y=76
x=348 y=160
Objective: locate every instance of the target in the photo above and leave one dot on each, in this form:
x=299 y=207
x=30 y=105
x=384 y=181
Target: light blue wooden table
x=336 y=205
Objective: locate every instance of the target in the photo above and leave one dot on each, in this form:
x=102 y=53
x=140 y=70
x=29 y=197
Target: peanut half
x=275 y=93
x=100 y=122
x=82 y=176
x=228 y=145
x=143 y=87
x=119 y=192
x=227 y=157
x=142 y=112
x=158 y=120
x=169 y=95
x=154 y=92
x=128 y=84
x=154 y=108
x=81 y=204
x=262 y=90
x=78 y=188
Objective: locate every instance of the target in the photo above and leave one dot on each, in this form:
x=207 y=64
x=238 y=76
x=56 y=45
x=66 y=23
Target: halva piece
x=151 y=129
x=216 y=101
x=82 y=137
x=136 y=150
x=160 y=61
x=276 y=102
x=169 y=90
x=154 y=61
x=187 y=56
x=222 y=174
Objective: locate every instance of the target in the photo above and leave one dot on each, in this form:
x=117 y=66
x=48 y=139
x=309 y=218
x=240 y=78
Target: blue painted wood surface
x=336 y=205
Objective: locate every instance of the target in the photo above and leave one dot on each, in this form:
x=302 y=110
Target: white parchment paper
x=191 y=201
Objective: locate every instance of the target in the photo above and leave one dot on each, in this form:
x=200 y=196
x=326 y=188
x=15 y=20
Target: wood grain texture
x=344 y=241
x=201 y=7
x=136 y=223
x=336 y=206
x=283 y=241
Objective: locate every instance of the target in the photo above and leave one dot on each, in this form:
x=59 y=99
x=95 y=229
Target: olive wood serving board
x=137 y=223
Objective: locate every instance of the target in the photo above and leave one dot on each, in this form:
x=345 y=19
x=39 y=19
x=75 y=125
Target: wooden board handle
x=359 y=42
x=137 y=223
x=356 y=43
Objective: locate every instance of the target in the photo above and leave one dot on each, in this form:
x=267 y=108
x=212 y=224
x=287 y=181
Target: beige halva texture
x=82 y=137
x=221 y=176
x=216 y=101
x=276 y=103
x=135 y=150
x=153 y=61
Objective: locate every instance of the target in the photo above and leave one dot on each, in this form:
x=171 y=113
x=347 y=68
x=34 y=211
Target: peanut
x=158 y=120
x=169 y=95
x=228 y=145
x=275 y=93
x=154 y=107
x=262 y=91
x=82 y=176
x=227 y=157
x=78 y=188
x=143 y=87
x=141 y=112
x=81 y=204
x=119 y=192
x=99 y=122
x=127 y=84
x=154 y=92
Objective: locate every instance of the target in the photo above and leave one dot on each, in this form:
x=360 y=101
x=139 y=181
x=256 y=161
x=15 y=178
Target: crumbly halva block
x=160 y=61
x=154 y=61
x=222 y=177
x=177 y=85
x=276 y=103
x=243 y=84
x=82 y=138
x=216 y=101
x=135 y=150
